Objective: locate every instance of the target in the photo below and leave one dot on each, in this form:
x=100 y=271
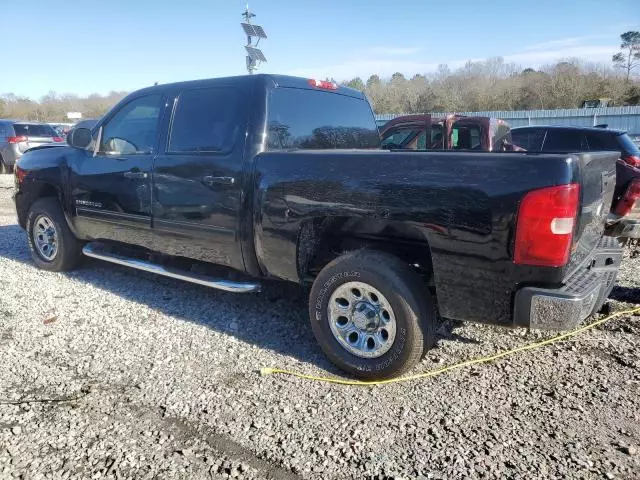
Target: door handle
x=211 y=181
x=135 y=174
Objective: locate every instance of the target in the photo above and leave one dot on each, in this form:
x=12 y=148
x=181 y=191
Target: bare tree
x=629 y=59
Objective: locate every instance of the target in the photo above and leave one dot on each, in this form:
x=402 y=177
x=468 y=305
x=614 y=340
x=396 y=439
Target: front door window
x=133 y=130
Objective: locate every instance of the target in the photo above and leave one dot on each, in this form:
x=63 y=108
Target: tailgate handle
x=211 y=181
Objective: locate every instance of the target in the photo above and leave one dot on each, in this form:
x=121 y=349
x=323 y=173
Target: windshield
x=34 y=130
x=399 y=138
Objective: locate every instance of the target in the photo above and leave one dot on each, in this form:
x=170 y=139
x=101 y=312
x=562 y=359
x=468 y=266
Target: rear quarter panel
x=464 y=205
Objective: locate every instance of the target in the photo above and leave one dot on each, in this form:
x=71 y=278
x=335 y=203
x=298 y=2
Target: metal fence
x=623 y=118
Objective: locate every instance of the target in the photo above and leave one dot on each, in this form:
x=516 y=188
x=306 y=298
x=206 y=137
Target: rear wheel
x=52 y=244
x=371 y=314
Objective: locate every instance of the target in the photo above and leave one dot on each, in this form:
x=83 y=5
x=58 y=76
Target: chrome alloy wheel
x=45 y=237
x=362 y=320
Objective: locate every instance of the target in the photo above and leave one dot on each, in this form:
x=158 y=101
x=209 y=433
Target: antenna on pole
x=254 y=54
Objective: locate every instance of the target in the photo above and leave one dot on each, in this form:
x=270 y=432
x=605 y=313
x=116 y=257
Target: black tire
x=408 y=296
x=69 y=248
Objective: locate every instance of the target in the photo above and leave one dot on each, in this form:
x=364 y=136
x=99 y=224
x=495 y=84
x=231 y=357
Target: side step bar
x=227 y=285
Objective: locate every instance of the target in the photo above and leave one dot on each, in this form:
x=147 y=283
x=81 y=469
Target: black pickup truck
x=233 y=181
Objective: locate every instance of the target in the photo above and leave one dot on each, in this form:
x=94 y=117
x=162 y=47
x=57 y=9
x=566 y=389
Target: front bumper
x=581 y=295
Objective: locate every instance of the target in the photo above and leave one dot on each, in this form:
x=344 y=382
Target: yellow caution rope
x=433 y=373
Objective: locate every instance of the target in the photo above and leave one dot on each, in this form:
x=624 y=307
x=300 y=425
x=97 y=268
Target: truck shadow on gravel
x=625 y=294
x=276 y=319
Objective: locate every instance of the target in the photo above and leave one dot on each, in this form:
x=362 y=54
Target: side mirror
x=79 y=138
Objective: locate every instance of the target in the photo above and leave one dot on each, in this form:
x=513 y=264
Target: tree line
x=477 y=86
x=54 y=107
x=496 y=85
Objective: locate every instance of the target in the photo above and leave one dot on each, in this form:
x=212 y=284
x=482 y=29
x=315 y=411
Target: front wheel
x=53 y=245
x=371 y=314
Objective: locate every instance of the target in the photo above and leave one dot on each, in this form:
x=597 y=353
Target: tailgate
x=597 y=174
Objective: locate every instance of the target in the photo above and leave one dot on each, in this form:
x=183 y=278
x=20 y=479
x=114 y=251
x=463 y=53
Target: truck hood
x=44 y=157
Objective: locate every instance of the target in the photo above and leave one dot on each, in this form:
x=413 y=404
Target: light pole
x=254 y=54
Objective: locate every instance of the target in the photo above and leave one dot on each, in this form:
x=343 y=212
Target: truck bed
x=463 y=206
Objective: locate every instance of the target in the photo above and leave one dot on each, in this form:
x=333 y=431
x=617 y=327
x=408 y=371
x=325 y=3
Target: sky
x=86 y=47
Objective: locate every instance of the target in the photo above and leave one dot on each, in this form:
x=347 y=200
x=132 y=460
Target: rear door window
x=205 y=121
x=530 y=139
x=310 y=119
x=33 y=130
x=565 y=141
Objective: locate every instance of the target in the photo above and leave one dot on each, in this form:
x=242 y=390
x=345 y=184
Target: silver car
x=16 y=137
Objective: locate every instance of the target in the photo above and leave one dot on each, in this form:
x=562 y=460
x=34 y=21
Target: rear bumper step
x=95 y=251
x=581 y=295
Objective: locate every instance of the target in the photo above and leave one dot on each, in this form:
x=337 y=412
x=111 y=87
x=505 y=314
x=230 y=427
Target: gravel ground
x=112 y=373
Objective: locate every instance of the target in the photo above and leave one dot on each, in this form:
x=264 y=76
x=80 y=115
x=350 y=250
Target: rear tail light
x=20 y=174
x=633 y=160
x=545 y=226
x=19 y=139
x=58 y=139
x=629 y=204
x=323 y=84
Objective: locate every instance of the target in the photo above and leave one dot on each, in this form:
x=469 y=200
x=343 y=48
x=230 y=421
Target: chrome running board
x=94 y=251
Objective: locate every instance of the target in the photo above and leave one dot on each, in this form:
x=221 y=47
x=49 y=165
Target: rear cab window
x=33 y=130
x=314 y=119
x=205 y=121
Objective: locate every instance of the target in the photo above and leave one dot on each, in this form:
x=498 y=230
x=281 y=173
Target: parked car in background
x=86 y=123
x=597 y=103
x=453 y=132
x=625 y=219
x=16 y=137
x=61 y=128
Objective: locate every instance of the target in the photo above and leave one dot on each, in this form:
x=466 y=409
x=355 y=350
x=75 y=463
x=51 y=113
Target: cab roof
x=264 y=79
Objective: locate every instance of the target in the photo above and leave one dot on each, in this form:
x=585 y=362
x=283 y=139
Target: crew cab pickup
x=230 y=182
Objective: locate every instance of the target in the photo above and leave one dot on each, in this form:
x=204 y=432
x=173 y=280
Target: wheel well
x=40 y=190
x=323 y=239
x=46 y=190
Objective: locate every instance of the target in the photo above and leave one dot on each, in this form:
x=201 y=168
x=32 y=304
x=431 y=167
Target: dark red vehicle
x=453 y=132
